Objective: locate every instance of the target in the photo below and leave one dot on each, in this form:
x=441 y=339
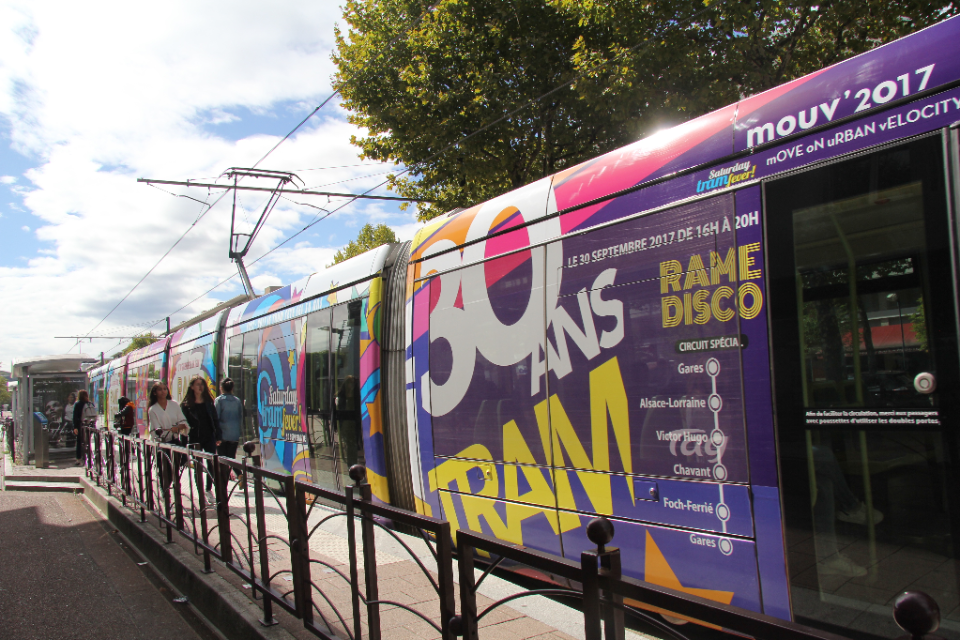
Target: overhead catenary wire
x=205 y=211
x=411 y=168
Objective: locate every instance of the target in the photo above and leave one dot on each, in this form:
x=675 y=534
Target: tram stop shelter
x=47 y=387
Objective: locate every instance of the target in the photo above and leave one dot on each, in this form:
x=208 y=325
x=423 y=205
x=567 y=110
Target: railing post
x=141 y=449
x=99 y=465
x=597 y=604
x=300 y=550
x=448 y=607
x=111 y=461
x=358 y=474
x=176 y=458
x=149 y=455
x=200 y=482
x=613 y=616
x=268 y=619
x=222 y=476
x=592 y=627
x=165 y=490
x=248 y=448
x=467 y=622
x=85 y=450
x=352 y=552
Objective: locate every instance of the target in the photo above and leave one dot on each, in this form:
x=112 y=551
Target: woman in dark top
x=201 y=415
x=83 y=399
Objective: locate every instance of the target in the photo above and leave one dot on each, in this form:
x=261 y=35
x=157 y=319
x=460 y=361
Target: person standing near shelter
x=80 y=413
x=230 y=412
x=204 y=423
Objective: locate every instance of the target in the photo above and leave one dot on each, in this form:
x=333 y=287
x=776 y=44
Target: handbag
x=89 y=412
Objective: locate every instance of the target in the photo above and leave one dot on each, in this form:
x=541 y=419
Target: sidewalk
x=64 y=573
x=400 y=580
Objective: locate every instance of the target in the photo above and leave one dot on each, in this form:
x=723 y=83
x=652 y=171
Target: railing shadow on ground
x=169 y=482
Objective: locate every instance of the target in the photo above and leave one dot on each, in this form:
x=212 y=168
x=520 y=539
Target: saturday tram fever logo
x=727 y=177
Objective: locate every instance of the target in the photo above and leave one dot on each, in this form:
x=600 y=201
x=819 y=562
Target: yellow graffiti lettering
x=607 y=397
x=672 y=310
x=747 y=261
x=720 y=267
x=696 y=274
x=562 y=448
x=670 y=276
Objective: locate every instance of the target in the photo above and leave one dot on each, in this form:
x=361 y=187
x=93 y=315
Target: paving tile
x=499 y=615
x=517 y=629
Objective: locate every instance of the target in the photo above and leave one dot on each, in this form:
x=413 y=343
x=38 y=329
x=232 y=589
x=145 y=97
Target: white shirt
x=165 y=419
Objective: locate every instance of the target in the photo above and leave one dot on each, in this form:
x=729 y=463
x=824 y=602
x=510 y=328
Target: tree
x=370 y=237
x=5 y=396
x=420 y=78
x=137 y=343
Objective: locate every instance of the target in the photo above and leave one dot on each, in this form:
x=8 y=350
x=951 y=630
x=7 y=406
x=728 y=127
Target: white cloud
x=25 y=228
x=100 y=93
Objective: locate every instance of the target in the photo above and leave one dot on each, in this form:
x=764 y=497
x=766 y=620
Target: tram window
x=345 y=346
x=858 y=255
x=234 y=361
x=318 y=362
x=248 y=375
x=858 y=272
x=318 y=403
x=153 y=375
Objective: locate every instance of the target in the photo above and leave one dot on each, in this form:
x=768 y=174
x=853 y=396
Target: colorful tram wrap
x=736 y=339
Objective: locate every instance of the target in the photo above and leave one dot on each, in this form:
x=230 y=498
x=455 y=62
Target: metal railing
x=261 y=524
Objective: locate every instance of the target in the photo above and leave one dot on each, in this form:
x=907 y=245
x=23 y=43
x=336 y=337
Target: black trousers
x=210 y=447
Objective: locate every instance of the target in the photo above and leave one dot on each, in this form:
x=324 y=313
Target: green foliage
x=138 y=342
x=5 y=396
x=419 y=78
x=370 y=237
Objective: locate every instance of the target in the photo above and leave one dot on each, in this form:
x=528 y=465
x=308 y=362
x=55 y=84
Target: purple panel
x=771 y=553
x=757 y=390
x=641 y=314
x=924 y=60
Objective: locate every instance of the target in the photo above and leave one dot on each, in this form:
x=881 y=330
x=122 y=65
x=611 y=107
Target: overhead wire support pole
x=237 y=253
x=234 y=237
x=298 y=192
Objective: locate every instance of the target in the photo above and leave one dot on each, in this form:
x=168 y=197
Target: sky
x=97 y=94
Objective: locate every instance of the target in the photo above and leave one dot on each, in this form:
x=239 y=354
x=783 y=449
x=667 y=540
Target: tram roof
x=325 y=282
x=580 y=193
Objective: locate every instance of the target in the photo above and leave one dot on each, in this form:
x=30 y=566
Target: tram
x=736 y=338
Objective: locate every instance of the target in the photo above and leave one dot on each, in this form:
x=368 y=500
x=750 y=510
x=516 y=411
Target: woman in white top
x=164 y=417
x=166 y=422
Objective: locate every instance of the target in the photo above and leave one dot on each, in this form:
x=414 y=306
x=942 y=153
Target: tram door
x=333 y=393
x=864 y=340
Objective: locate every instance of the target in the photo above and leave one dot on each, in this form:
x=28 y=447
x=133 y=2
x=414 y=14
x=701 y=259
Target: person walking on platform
x=230 y=412
x=204 y=423
x=166 y=422
x=81 y=412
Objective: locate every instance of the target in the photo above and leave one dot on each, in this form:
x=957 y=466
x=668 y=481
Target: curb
x=232 y=613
